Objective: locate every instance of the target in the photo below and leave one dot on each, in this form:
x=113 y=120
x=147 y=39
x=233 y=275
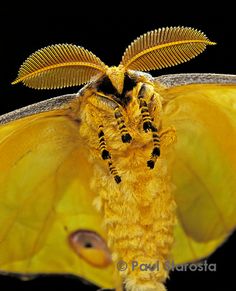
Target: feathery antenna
x=163 y=48
x=58 y=66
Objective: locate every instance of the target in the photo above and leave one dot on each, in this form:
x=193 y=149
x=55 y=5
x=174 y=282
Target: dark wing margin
x=43 y=106
x=174 y=80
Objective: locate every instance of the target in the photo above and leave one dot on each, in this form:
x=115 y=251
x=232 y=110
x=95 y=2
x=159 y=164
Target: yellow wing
x=204 y=115
x=44 y=198
x=44 y=194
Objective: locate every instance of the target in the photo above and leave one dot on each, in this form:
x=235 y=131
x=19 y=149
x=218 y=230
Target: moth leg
x=114 y=172
x=147 y=121
x=148 y=126
x=106 y=154
x=156 y=149
x=125 y=136
x=102 y=144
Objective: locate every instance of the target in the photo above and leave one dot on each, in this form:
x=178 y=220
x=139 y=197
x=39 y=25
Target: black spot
x=126 y=138
x=88 y=245
x=105 y=155
x=147 y=125
x=150 y=164
x=117 y=179
x=156 y=152
x=105 y=86
x=129 y=84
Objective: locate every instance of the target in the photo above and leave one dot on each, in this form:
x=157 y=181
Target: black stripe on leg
x=114 y=172
x=100 y=134
x=125 y=136
x=102 y=144
x=156 y=152
x=106 y=155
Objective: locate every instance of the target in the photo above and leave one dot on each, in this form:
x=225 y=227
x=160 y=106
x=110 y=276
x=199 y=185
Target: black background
x=107 y=30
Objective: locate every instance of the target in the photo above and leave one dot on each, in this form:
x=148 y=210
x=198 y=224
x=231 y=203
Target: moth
x=130 y=171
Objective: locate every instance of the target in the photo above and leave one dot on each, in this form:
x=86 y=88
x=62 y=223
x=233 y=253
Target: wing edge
x=46 y=105
x=174 y=80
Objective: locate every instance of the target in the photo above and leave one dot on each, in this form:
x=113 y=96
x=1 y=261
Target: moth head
x=116 y=76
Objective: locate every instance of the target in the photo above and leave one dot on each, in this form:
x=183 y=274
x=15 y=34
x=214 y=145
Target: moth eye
x=91 y=247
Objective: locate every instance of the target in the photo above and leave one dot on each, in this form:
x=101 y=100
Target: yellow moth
x=129 y=169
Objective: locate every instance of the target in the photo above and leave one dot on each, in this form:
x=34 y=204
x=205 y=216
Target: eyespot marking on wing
x=91 y=247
